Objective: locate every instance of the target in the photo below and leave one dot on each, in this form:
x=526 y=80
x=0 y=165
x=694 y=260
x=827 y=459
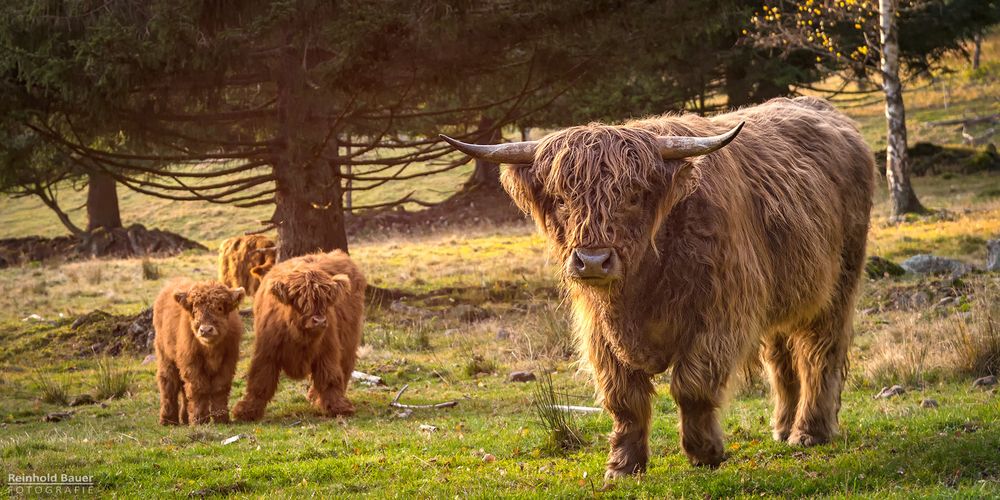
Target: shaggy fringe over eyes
x=594 y=168
x=313 y=290
x=209 y=295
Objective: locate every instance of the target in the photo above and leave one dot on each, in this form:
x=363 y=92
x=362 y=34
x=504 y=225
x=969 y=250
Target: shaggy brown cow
x=198 y=333
x=243 y=260
x=308 y=315
x=690 y=262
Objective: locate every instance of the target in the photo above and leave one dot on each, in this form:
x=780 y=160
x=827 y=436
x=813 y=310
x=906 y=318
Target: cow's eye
x=560 y=204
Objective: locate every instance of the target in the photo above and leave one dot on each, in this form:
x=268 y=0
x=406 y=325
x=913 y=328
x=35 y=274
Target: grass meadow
x=503 y=313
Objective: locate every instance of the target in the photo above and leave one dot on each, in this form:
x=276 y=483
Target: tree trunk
x=897 y=163
x=308 y=211
x=102 y=202
x=486 y=174
x=977 y=50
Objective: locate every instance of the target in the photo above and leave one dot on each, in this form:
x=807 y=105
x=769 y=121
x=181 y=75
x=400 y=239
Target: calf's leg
x=328 y=391
x=262 y=381
x=169 y=381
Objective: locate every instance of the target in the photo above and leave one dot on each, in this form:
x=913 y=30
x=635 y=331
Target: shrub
x=150 y=271
x=546 y=334
x=976 y=340
x=479 y=364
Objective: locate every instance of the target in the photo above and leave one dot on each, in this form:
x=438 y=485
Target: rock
x=150 y=358
x=428 y=428
x=489 y=458
x=928 y=403
x=469 y=313
x=33 y=317
x=930 y=264
x=405 y=413
x=56 y=417
x=948 y=302
x=503 y=334
x=521 y=377
x=82 y=399
x=985 y=382
x=888 y=392
x=993 y=255
x=920 y=299
x=877 y=268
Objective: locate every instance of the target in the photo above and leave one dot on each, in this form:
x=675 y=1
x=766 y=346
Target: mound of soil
x=98 y=332
x=124 y=242
x=931 y=159
x=476 y=206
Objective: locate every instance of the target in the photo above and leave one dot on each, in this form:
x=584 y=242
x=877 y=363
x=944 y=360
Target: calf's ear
x=280 y=292
x=523 y=187
x=341 y=284
x=182 y=299
x=236 y=296
x=259 y=271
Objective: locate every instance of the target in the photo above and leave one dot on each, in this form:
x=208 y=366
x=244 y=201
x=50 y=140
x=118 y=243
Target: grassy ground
x=492 y=442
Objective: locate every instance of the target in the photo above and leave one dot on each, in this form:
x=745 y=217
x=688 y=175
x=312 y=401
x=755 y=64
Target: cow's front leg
x=698 y=389
x=627 y=395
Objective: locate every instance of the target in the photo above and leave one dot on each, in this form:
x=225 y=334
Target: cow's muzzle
x=594 y=266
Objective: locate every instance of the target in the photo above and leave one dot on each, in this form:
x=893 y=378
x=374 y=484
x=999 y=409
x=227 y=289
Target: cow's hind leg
x=784 y=382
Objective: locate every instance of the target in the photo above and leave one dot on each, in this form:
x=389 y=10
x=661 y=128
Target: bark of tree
x=308 y=203
x=102 y=202
x=977 y=50
x=897 y=164
x=50 y=202
x=486 y=174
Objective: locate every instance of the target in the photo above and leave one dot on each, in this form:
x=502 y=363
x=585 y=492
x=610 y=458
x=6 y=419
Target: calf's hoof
x=243 y=412
x=707 y=455
x=780 y=435
x=341 y=407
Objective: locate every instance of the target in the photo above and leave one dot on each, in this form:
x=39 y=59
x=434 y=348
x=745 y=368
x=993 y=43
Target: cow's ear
x=341 y=284
x=680 y=180
x=236 y=296
x=183 y=300
x=280 y=292
x=523 y=187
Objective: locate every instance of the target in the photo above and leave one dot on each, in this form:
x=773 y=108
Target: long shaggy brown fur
x=760 y=243
x=244 y=260
x=198 y=333
x=308 y=315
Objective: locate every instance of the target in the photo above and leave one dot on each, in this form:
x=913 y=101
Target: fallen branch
x=366 y=378
x=396 y=404
x=578 y=409
x=965 y=121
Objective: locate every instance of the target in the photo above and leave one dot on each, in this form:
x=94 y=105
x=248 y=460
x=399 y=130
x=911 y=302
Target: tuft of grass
x=112 y=379
x=150 y=271
x=49 y=390
x=562 y=429
x=976 y=340
x=93 y=274
x=479 y=364
x=546 y=335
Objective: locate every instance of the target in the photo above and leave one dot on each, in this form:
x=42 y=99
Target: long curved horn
x=510 y=152
x=676 y=147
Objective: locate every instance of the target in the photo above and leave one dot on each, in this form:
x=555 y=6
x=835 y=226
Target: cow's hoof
x=614 y=473
x=780 y=435
x=799 y=438
x=712 y=462
x=339 y=409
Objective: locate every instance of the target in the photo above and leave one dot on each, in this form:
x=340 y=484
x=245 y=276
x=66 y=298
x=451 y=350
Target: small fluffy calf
x=198 y=333
x=308 y=314
x=243 y=260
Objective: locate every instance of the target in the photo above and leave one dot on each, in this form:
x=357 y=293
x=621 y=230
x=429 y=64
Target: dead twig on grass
x=396 y=404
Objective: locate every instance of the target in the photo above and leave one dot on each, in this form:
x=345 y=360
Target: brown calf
x=198 y=333
x=308 y=315
x=243 y=260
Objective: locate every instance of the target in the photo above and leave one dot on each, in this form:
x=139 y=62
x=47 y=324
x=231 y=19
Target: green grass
x=887 y=448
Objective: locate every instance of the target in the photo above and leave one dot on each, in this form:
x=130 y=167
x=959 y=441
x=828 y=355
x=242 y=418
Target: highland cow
x=689 y=250
x=198 y=332
x=243 y=260
x=308 y=315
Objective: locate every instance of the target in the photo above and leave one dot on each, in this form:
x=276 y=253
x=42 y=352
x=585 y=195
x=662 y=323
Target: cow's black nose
x=594 y=264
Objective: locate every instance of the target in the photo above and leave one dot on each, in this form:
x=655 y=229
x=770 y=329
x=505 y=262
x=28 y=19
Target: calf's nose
x=593 y=263
x=206 y=330
x=318 y=320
